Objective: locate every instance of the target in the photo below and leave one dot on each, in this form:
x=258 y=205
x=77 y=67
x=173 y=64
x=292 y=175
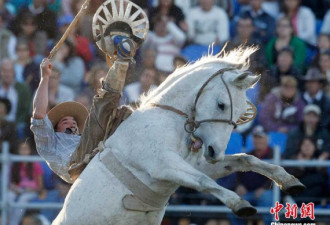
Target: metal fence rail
x=6 y=159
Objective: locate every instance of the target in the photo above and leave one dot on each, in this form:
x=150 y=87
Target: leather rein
x=191 y=123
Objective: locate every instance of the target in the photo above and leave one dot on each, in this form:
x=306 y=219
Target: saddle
x=120 y=114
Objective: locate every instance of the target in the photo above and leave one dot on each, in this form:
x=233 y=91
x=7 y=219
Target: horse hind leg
x=172 y=168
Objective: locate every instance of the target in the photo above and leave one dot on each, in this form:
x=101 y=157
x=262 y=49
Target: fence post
x=276 y=161
x=4 y=183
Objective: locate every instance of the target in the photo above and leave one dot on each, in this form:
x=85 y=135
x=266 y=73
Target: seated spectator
x=324 y=63
x=244 y=36
x=167 y=39
x=282 y=109
x=207 y=24
x=302 y=18
x=58 y=92
x=18 y=94
x=71 y=66
x=323 y=44
x=34 y=219
x=133 y=91
x=318 y=7
x=283 y=67
x=37 y=39
x=55 y=196
x=84 y=23
x=284 y=38
x=81 y=44
x=26 y=71
x=26 y=182
x=259 y=191
x=263 y=23
x=7 y=129
x=314 y=94
x=93 y=79
x=315 y=179
x=7 y=40
x=44 y=17
x=179 y=61
x=326 y=23
x=310 y=127
x=7 y=10
x=167 y=8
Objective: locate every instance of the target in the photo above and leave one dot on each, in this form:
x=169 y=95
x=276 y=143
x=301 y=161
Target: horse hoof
x=244 y=209
x=294 y=187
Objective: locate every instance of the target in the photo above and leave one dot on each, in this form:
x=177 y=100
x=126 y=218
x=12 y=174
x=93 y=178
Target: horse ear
x=245 y=80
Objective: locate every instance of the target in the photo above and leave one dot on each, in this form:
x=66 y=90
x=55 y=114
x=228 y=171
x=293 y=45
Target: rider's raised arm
x=40 y=102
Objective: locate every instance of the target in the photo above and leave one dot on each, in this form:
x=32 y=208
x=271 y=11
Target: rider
x=62 y=137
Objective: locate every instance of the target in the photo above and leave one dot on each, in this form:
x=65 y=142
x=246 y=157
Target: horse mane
x=238 y=58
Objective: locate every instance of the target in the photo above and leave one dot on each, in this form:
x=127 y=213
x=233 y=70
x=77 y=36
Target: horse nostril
x=211 y=151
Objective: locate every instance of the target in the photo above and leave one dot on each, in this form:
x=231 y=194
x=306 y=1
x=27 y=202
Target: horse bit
x=191 y=124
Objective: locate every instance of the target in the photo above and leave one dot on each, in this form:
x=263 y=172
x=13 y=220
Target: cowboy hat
x=75 y=109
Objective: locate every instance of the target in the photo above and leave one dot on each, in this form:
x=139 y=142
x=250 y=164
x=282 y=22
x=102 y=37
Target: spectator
x=324 y=63
x=26 y=182
x=319 y=7
x=323 y=44
x=314 y=94
x=282 y=109
x=167 y=8
x=18 y=94
x=34 y=219
x=25 y=69
x=71 y=66
x=244 y=36
x=84 y=23
x=310 y=127
x=149 y=57
x=132 y=92
x=264 y=24
x=55 y=196
x=7 y=40
x=315 y=179
x=179 y=61
x=7 y=129
x=283 y=67
x=94 y=77
x=58 y=92
x=44 y=17
x=167 y=39
x=27 y=29
x=302 y=19
x=284 y=38
x=81 y=44
x=257 y=192
x=7 y=11
x=207 y=24
x=326 y=23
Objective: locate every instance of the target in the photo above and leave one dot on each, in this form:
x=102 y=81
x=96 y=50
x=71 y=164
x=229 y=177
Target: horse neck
x=182 y=94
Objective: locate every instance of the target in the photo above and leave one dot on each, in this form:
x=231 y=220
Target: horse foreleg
x=171 y=167
x=244 y=162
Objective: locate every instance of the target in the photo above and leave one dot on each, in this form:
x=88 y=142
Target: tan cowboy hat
x=75 y=109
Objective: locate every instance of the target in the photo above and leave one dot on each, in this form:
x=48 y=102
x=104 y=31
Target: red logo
x=275 y=210
x=306 y=210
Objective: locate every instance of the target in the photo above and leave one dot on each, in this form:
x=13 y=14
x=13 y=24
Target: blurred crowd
x=292 y=97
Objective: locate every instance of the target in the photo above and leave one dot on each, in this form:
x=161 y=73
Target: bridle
x=191 y=124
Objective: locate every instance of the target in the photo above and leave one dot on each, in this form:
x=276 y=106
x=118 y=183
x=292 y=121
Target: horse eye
x=221 y=106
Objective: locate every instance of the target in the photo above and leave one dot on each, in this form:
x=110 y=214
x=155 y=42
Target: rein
x=191 y=123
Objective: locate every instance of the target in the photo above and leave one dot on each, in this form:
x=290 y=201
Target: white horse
x=149 y=156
